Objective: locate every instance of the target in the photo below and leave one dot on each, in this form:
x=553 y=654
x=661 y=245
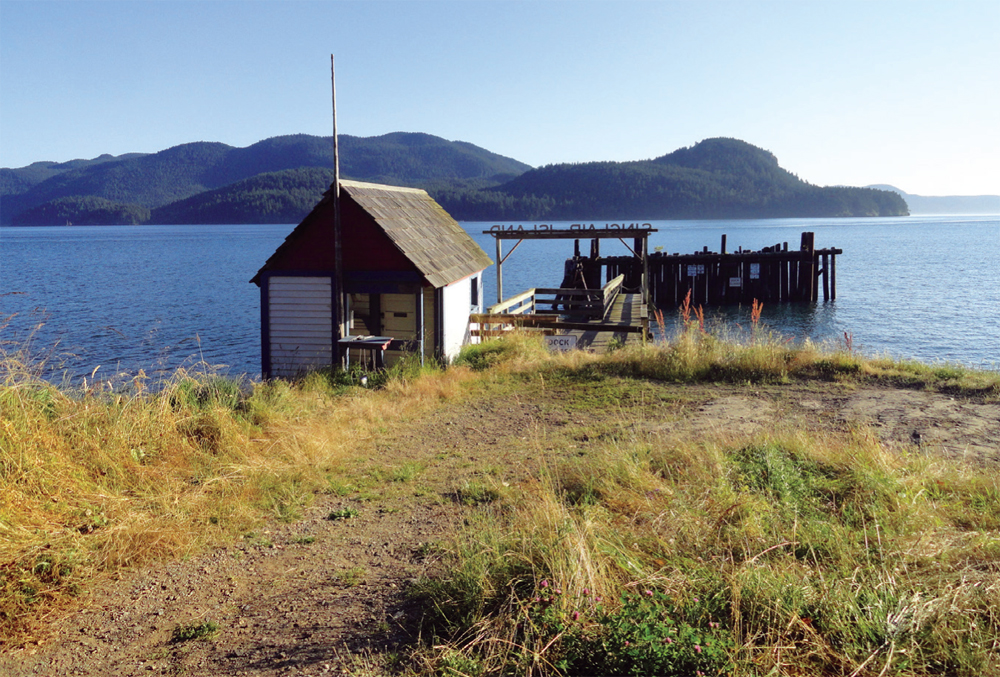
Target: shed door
x=300 y=316
x=399 y=316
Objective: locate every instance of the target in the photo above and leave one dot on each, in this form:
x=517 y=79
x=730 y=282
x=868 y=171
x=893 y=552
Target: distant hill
x=280 y=179
x=16 y=181
x=175 y=174
x=952 y=204
x=85 y=210
x=716 y=178
x=273 y=197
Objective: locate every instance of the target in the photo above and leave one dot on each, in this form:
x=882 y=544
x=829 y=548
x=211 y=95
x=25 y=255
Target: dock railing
x=591 y=303
x=543 y=309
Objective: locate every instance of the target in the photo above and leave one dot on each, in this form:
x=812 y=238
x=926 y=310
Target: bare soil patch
x=328 y=596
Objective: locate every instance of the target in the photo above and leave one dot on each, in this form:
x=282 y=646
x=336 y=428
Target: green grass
x=814 y=554
x=786 y=554
x=352 y=577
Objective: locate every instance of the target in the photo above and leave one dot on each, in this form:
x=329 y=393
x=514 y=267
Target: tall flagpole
x=338 y=254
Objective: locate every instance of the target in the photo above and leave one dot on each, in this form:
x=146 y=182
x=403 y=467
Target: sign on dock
x=561 y=343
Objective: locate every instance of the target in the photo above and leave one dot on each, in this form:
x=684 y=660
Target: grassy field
x=782 y=552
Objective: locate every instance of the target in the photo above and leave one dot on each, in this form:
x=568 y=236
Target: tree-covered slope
x=275 y=197
x=85 y=210
x=717 y=178
x=280 y=179
x=415 y=159
x=149 y=180
x=180 y=172
x=17 y=181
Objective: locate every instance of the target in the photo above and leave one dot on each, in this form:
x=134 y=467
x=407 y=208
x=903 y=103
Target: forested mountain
x=716 y=178
x=281 y=179
x=158 y=179
x=16 y=181
x=85 y=210
x=273 y=197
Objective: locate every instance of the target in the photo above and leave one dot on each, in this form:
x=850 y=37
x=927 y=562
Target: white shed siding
x=300 y=318
x=457 y=306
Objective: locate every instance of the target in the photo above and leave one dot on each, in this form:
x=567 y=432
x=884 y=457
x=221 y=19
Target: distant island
x=947 y=204
x=279 y=180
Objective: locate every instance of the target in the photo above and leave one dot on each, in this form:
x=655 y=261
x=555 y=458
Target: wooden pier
x=588 y=319
x=583 y=314
x=771 y=275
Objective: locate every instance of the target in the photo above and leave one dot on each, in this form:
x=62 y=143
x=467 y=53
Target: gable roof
x=421 y=229
x=418 y=226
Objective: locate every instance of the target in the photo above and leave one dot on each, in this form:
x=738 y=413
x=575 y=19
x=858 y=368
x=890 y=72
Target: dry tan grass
x=95 y=480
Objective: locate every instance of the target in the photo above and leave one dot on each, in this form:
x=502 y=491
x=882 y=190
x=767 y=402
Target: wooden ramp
x=623 y=324
x=620 y=318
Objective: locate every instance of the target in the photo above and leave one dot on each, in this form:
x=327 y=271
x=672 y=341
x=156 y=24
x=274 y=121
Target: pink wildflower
x=545 y=584
x=626 y=642
x=558 y=591
x=586 y=591
x=576 y=615
x=697 y=647
x=649 y=593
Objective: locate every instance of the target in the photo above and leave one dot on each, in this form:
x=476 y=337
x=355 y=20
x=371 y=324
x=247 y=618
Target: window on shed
x=474 y=285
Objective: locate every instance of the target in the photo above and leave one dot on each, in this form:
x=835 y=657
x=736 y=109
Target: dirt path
x=318 y=596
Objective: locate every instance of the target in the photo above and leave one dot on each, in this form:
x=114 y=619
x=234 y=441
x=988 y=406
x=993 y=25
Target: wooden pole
x=826 y=278
x=499 y=272
x=338 y=258
x=833 y=277
x=645 y=271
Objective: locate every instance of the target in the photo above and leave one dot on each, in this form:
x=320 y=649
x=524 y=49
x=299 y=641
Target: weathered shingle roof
x=417 y=225
x=422 y=230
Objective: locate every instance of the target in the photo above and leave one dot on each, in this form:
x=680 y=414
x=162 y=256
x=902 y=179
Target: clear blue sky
x=842 y=92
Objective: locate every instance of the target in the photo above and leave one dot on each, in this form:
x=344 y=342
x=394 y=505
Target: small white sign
x=695 y=270
x=754 y=271
x=560 y=343
x=735 y=282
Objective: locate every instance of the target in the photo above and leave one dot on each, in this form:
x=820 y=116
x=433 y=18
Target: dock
x=774 y=274
x=584 y=319
x=581 y=313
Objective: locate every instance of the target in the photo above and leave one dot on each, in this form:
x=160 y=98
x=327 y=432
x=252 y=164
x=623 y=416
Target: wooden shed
x=408 y=271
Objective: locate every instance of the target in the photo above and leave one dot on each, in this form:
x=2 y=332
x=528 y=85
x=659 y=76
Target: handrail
x=611 y=290
x=513 y=301
x=579 y=301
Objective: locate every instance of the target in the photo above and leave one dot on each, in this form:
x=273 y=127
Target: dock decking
x=623 y=318
x=619 y=326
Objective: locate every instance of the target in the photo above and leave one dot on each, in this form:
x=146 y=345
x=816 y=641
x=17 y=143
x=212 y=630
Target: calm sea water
x=120 y=299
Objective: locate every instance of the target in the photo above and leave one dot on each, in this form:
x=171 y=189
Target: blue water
x=157 y=297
